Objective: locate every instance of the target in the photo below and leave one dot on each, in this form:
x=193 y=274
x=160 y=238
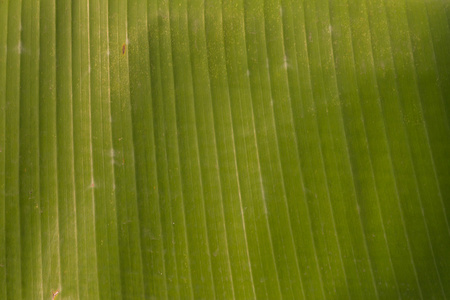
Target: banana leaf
x=237 y=149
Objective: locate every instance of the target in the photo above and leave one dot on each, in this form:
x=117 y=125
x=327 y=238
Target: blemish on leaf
x=55 y=294
x=124 y=48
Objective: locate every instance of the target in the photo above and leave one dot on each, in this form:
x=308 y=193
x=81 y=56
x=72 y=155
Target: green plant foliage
x=233 y=149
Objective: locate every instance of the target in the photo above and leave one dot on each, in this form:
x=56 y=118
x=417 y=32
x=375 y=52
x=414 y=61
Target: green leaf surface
x=224 y=149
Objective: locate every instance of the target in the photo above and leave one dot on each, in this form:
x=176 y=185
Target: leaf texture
x=224 y=149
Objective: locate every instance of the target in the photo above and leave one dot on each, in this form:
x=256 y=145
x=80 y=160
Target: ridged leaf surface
x=232 y=149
